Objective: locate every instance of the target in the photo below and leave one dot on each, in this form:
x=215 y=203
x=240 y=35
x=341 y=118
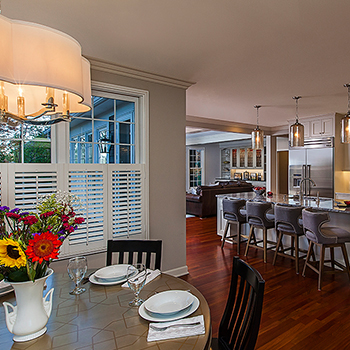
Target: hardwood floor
x=295 y=314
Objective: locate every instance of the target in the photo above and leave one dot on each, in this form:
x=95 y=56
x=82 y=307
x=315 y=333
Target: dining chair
x=148 y=252
x=239 y=326
x=324 y=237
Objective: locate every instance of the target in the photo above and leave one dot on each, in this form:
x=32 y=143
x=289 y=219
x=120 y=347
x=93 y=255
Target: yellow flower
x=11 y=253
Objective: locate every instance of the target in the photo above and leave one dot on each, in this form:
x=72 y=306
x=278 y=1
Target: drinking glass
x=77 y=268
x=136 y=277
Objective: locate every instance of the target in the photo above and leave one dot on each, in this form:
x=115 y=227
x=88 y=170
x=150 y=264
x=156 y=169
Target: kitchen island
x=339 y=213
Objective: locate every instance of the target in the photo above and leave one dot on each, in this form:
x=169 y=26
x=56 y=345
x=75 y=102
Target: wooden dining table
x=101 y=318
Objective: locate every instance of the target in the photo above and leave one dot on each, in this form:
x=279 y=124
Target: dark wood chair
x=147 y=252
x=239 y=326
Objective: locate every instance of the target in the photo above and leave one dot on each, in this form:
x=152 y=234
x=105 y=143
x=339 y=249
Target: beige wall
x=167 y=165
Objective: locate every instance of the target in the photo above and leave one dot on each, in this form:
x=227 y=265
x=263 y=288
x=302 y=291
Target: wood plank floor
x=295 y=314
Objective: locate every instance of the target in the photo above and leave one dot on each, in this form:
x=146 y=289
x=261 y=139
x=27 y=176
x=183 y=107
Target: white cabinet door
x=327 y=127
x=322 y=127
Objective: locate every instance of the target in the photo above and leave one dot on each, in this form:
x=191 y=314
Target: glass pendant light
x=345 y=122
x=257 y=134
x=296 y=134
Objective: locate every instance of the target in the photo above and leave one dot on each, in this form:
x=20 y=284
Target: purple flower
x=25 y=213
x=3 y=208
x=61 y=238
x=15 y=210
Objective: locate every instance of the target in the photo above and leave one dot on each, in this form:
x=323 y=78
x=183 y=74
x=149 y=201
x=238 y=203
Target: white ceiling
x=238 y=52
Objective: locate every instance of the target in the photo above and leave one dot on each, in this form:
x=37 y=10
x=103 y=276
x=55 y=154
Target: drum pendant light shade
x=257 y=134
x=296 y=133
x=42 y=73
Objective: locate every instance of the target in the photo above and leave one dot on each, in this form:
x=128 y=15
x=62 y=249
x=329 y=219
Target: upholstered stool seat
x=234 y=214
x=324 y=237
x=288 y=222
x=259 y=215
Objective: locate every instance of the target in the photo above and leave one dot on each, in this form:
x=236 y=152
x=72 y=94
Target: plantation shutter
x=88 y=185
x=126 y=203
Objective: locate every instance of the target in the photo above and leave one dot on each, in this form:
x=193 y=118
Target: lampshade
x=43 y=63
x=345 y=122
x=296 y=134
x=257 y=134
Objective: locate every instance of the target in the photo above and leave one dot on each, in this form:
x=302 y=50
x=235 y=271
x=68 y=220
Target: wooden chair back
x=135 y=251
x=240 y=323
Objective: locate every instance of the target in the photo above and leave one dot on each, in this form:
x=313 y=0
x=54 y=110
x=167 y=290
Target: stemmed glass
x=136 y=277
x=77 y=268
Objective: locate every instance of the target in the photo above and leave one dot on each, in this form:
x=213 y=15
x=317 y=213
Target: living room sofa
x=202 y=202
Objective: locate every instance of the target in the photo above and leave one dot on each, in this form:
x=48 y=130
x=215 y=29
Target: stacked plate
x=110 y=275
x=169 y=306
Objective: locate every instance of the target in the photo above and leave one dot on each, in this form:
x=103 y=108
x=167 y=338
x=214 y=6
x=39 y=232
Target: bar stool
x=259 y=216
x=233 y=213
x=324 y=237
x=288 y=222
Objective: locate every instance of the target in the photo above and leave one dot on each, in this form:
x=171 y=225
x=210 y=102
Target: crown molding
x=108 y=67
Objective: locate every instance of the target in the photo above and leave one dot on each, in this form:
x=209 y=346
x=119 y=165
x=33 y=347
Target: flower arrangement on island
x=29 y=241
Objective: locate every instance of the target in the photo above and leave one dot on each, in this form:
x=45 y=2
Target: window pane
x=112 y=121
x=37 y=151
x=10 y=151
x=124 y=154
x=103 y=108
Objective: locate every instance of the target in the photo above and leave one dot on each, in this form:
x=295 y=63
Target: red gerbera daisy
x=43 y=247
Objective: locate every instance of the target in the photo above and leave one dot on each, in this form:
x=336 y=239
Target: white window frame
x=202 y=153
x=60 y=142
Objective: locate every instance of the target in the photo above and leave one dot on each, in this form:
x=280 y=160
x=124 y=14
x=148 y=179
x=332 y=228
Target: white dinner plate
x=112 y=273
x=94 y=280
x=169 y=302
x=167 y=318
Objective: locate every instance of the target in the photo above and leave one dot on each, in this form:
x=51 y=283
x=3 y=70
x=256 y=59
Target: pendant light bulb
x=296 y=134
x=345 y=122
x=257 y=134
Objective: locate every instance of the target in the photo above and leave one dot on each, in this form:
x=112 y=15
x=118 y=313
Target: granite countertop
x=325 y=204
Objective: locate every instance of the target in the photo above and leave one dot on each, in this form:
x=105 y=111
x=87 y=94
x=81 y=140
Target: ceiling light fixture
x=345 y=122
x=43 y=76
x=257 y=134
x=296 y=135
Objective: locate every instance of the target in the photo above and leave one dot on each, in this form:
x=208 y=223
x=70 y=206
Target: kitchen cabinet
x=225 y=163
x=321 y=127
x=317 y=127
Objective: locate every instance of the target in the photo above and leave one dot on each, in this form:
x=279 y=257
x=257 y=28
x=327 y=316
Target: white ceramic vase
x=27 y=320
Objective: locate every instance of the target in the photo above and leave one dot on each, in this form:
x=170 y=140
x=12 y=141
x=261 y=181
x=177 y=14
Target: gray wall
x=167 y=165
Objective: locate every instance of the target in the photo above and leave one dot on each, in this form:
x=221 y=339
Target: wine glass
x=136 y=278
x=77 y=268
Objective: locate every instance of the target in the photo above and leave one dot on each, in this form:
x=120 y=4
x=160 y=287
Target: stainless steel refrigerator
x=315 y=161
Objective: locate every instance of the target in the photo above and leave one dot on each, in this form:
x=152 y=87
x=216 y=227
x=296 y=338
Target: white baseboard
x=179 y=271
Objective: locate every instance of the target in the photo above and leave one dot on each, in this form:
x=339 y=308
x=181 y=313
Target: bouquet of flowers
x=30 y=241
